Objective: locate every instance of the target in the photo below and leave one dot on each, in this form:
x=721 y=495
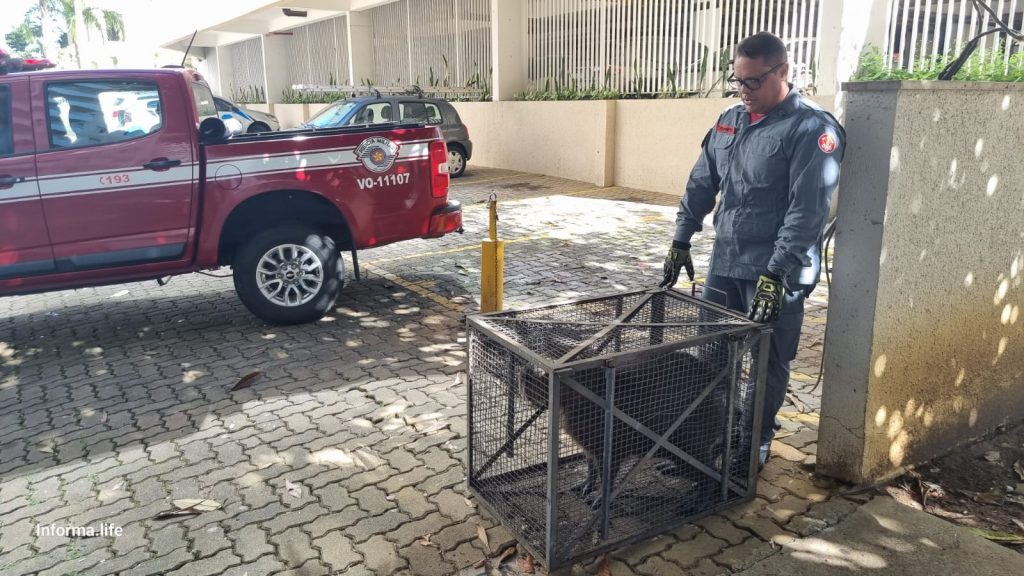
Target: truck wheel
x=289 y=275
x=456 y=161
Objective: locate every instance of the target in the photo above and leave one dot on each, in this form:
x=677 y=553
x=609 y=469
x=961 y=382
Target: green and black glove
x=677 y=259
x=766 y=305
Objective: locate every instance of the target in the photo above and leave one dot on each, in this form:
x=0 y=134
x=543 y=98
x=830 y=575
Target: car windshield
x=331 y=116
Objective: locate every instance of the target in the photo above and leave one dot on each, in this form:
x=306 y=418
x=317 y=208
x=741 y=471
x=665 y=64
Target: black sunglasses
x=751 y=83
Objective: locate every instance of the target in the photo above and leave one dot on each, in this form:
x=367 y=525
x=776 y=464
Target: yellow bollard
x=492 y=265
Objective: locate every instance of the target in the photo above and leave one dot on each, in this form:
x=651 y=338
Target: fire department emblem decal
x=827 y=143
x=377 y=153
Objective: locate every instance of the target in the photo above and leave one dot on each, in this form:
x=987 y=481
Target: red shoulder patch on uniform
x=723 y=129
x=827 y=143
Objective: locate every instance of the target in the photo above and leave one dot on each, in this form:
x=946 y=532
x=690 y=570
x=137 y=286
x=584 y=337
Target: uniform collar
x=788 y=105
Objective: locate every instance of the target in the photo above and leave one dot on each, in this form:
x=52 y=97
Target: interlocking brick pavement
x=115 y=400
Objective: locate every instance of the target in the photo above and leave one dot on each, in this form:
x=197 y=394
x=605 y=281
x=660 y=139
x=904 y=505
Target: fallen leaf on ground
x=294 y=490
x=505 y=555
x=1018 y=467
x=425 y=541
x=481 y=533
x=604 y=569
x=1001 y=537
x=525 y=564
x=992 y=455
x=188 y=507
x=46 y=448
x=1018 y=523
x=246 y=381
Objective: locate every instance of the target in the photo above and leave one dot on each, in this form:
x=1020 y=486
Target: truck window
x=205 y=105
x=101 y=112
x=6 y=121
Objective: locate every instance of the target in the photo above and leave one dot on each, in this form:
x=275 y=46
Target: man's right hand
x=677 y=259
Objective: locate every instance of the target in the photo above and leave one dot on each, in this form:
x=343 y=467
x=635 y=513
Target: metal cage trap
x=600 y=422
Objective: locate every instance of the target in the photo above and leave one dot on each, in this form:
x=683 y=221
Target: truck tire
x=456 y=161
x=289 y=275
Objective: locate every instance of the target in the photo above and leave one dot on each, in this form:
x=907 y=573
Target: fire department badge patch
x=377 y=154
x=827 y=143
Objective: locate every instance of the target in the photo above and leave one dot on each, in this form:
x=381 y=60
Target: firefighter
x=773 y=162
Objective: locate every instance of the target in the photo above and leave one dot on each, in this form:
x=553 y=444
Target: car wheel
x=257 y=127
x=456 y=161
x=289 y=275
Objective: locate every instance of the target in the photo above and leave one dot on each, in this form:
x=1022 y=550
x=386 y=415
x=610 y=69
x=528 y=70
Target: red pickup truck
x=86 y=200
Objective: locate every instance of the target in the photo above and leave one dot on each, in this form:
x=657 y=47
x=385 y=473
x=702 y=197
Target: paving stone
x=414 y=530
x=688 y=553
x=805 y=526
x=414 y=477
x=803 y=487
x=427 y=561
x=640 y=551
x=706 y=567
x=413 y=502
x=294 y=548
x=658 y=566
x=745 y=555
x=453 y=505
x=762 y=527
x=162 y=564
x=337 y=551
x=381 y=556
x=208 y=540
x=832 y=511
x=373 y=500
x=785 y=509
x=265 y=565
x=249 y=543
x=383 y=524
x=76 y=564
x=722 y=529
x=309 y=568
x=783 y=450
x=454 y=534
x=212 y=566
x=117 y=564
x=344 y=519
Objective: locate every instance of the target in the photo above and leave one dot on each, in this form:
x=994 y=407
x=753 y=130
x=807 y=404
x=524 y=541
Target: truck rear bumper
x=445 y=220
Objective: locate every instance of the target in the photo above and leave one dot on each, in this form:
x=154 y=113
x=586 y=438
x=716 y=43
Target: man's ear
x=784 y=71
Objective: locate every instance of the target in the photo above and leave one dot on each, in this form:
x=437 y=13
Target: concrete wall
x=645 y=144
x=565 y=139
x=925 y=347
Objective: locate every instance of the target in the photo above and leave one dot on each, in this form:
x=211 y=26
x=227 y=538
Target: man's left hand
x=766 y=305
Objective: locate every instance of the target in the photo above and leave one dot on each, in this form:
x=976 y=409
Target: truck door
x=116 y=168
x=24 y=244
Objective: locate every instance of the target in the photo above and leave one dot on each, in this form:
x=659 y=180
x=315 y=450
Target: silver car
x=243 y=120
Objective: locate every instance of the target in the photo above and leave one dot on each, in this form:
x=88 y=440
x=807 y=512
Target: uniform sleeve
x=701 y=189
x=819 y=144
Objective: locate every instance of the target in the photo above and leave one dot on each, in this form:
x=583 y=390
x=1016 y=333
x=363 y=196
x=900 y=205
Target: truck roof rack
x=379 y=91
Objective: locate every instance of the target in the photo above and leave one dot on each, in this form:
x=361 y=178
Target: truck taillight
x=439 y=169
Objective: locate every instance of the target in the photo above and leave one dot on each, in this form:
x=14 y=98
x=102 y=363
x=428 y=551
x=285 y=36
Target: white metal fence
x=319 y=53
x=929 y=32
x=247 y=72
x=659 y=46
x=431 y=42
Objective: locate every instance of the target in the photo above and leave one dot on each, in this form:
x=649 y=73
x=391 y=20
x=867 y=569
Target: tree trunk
x=80 y=41
x=49 y=42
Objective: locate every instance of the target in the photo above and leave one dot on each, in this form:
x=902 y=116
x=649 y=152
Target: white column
x=360 y=48
x=276 y=49
x=509 y=48
x=846 y=27
x=221 y=85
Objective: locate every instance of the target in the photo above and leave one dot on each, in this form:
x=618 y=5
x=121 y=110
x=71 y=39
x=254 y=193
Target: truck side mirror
x=212 y=130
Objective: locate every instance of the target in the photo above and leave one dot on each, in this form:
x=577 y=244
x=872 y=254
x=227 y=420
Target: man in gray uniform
x=775 y=160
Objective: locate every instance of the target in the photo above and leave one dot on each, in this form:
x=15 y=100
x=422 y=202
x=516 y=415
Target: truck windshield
x=332 y=116
x=205 y=107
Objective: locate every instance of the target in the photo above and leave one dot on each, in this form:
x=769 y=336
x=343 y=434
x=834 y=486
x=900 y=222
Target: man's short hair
x=763 y=45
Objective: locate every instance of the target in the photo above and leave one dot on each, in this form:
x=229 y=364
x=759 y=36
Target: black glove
x=677 y=259
x=766 y=305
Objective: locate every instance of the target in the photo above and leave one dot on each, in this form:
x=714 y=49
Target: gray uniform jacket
x=776 y=178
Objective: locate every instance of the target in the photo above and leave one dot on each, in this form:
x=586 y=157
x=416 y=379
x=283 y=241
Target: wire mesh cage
x=600 y=422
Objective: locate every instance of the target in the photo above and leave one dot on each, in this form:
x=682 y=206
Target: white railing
x=247 y=73
x=319 y=53
x=659 y=46
x=931 y=32
x=431 y=42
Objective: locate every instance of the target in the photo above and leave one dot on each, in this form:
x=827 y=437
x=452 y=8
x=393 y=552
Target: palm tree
x=76 y=16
